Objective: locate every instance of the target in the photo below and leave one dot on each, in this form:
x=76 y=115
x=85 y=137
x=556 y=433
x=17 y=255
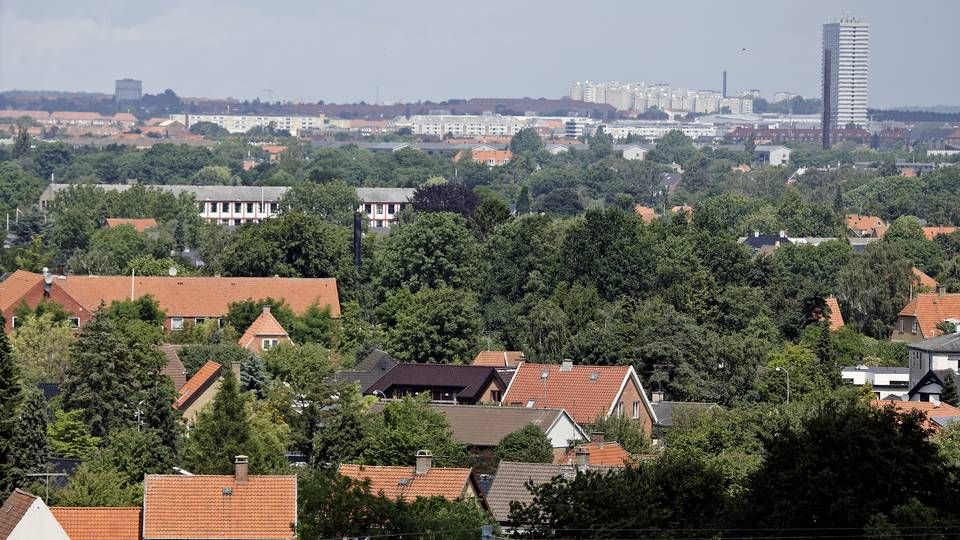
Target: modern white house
x=772 y=155
x=931 y=362
x=885 y=381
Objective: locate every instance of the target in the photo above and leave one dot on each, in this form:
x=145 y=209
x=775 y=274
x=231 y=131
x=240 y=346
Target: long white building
x=639 y=97
x=489 y=125
x=241 y=123
x=846 y=46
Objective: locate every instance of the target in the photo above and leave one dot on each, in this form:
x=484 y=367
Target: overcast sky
x=341 y=51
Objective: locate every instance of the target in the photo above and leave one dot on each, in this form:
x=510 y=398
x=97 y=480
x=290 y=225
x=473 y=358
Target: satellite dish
x=172 y=271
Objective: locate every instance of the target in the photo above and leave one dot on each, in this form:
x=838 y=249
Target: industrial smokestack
x=724 y=92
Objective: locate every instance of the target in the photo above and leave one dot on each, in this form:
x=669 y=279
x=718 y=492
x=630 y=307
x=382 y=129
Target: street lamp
x=785 y=370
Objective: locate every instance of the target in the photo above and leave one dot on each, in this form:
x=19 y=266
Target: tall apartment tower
x=846 y=57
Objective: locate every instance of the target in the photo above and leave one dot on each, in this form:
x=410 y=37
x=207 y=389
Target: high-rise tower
x=846 y=57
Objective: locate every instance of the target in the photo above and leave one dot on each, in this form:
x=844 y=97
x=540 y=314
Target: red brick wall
x=631 y=393
x=34 y=296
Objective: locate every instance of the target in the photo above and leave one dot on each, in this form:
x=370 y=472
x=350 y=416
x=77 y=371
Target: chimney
x=596 y=437
x=941 y=291
x=266 y=308
x=582 y=459
x=656 y=396
x=424 y=461
x=566 y=365
x=240 y=465
x=235 y=368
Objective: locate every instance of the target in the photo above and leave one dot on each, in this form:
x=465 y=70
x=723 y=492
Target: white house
x=931 y=361
x=26 y=517
x=382 y=205
x=772 y=155
x=885 y=381
x=632 y=151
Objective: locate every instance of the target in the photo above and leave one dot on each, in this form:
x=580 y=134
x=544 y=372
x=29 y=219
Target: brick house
x=201 y=389
x=139 y=224
x=264 y=334
x=421 y=480
x=866 y=226
x=586 y=392
x=24 y=516
x=918 y=320
x=185 y=300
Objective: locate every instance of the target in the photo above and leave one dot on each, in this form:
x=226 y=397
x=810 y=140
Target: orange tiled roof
x=607 y=454
x=15 y=286
x=868 y=225
x=202 y=296
x=682 y=208
x=99 y=523
x=201 y=379
x=273 y=148
x=265 y=325
x=262 y=508
x=932 y=232
x=397 y=482
x=498 y=358
x=645 y=212
x=930 y=309
x=582 y=394
x=140 y=224
x=125 y=117
x=836 y=318
x=497 y=156
x=77 y=115
x=931 y=409
x=922 y=279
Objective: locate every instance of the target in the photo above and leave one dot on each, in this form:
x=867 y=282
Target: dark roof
x=670 y=179
x=949 y=343
x=666 y=409
x=757 y=241
x=931 y=377
x=471 y=380
x=50 y=390
x=509 y=484
x=368 y=370
x=13 y=510
x=479 y=425
x=376 y=360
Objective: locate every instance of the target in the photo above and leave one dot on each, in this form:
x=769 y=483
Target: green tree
x=874 y=287
x=628 y=432
x=315 y=325
x=526 y=140
x=523 y=201
x=335 y=506
x=21 y=145
x=490 y=213
x=30 y=436
x=445 y=198
x=42 y=347
x=907 y=233
x=70 y=436
x=343 y=424
x=11 y=396
x=212 y=175
x=136 y=453
x=96 y=483
x=528 y=445
x=432 y=325
x=333 y=202
x=949 y=394
x=406 y=426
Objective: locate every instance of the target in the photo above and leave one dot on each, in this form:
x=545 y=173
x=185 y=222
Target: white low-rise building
x=772 y=155
x=885 y=381
x=241 y=123
x=382 y=206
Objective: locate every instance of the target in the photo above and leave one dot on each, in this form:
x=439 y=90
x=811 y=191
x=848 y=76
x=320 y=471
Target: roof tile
x=265 y=325
x=586 y=392
x=139 y=224
x=498 y=358
x=931 y=309
x=200 y=380
x=396 y=482
x=99 y=523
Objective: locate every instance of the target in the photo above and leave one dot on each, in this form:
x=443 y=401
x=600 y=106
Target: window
x=367 y=208
x=847 y=380
x=530 y=403
x=913 y=327
x=75 y=322
x=199 y=320
x=391 y=209
x=636 y=409
x=269 y=343
x=176 y=323
x=901 y=325
x=237 y=207
x=250 y=207
x=496 y=395
x=215 y=207
x=233 y=222
x=618 y=410
x=13 y=322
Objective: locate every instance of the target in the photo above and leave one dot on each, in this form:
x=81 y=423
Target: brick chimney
x=582 y=459
x=596 y=437
x=240 y=468
x=424 y=461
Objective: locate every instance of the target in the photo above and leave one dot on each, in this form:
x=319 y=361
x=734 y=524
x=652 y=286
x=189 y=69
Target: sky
x=344 y=51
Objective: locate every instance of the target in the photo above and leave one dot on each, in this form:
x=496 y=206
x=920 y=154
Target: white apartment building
x=382 y=205
x=653 y=129
x=465 y=125
x=241 y=123
x=846 y=46
x=639 y=97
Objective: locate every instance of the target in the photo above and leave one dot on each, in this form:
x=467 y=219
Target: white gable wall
x=38 y=522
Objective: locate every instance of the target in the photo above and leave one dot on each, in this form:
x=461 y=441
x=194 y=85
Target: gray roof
x=385 y=195
x=666 y=409
x=770 y=147
x=949 y=343
x=509 y=484
x=368 y=370
x=200 y=193
x=486 y=426
x=878 y=369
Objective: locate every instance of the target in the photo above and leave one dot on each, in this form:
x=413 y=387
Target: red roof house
x=498 y=359
x=421 y=480
x=99 y=523
x=919 y=318
x=264 y=333
x=139 y=224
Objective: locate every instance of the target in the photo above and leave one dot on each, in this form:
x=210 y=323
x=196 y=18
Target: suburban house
x=483 y=427
x=931 y=362
x=421 y=480
x=922 y=282
x=938 y=414
x=510 y=483
x=25 y=517
x=185 y=300
x=367 y=371
x=932 y=232
x=466 y=385
x=632 y=151
x=490 y=158
x=833 y=313
x=886 y=381
x=207 y=507
x=201 y=389
x=771 y=155
x=174 y=368
x=264 y=334
x=671 y=412
x=98 y=523
x=382 y=205
x=866 y=226
x=506 y=362
x=139 y=224
x=918 y=320
x=586 y=392
x=597 y=453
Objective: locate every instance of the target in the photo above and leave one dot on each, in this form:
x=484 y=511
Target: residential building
x=127 y=90
x=669 y=413
x=886 y=382
x=599 y=453
x=939 y=415
x=932 y=232
x=866 y=226
x=421 y=480
x=367 y=371
x=25 y=517
x=241 y=123
x=446 y=383
x=833 y=313
x=207 y=507
x=486 y=125
x=185 y=300
x=586 y=392
x=505 y=362
x=201 y=389
x=99 y=523
x=632 y=151
x=922 y=282
x=174 y=368
x=772 y=155
x=512 y=478
x=846 y=49
x=490 y=158
x=918 y=320
x=139 y=224
x=264 y=333
x=784 y=96
x=931 y=361
x=382 y=206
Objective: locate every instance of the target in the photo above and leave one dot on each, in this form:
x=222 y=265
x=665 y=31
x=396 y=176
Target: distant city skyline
x=340 y=51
